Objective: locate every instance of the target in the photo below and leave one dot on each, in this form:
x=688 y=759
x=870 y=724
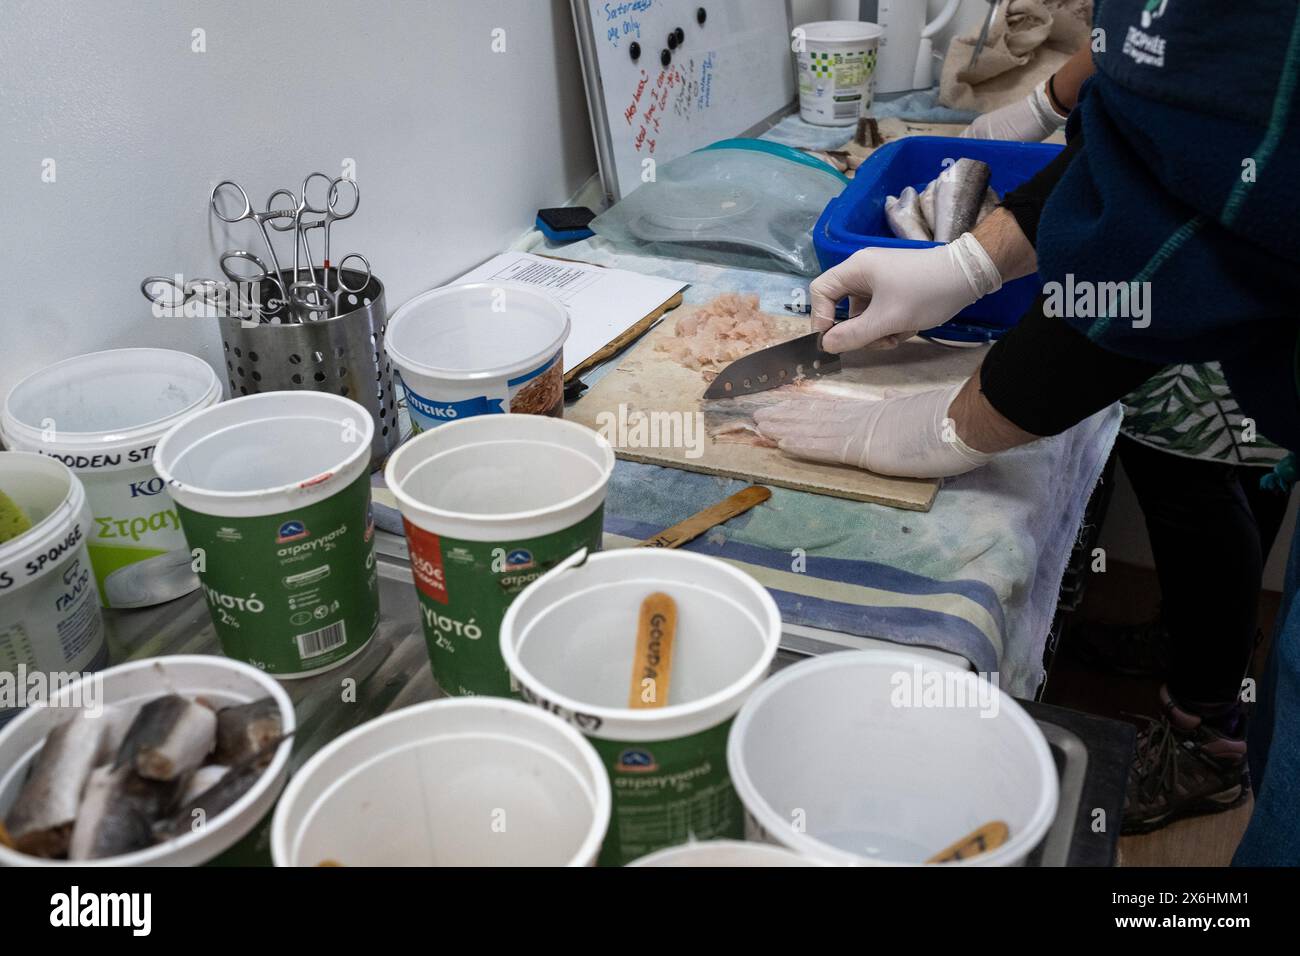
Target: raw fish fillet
x=720 y=331
x=731 y=420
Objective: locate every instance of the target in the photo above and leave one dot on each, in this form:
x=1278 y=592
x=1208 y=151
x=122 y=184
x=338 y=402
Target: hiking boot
x=1135 y=650
x=1185 y=765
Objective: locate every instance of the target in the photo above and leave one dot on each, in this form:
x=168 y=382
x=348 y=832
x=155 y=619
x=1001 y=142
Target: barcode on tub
x=845 y=110
x=315 y=643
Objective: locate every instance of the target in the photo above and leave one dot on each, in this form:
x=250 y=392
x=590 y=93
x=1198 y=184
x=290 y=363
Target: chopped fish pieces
x=721 y=331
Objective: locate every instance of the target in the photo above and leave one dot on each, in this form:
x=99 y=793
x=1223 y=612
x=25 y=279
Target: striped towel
x=977 y=575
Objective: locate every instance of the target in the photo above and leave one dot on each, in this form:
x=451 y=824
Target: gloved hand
x=895 y=293
x=1030 y=120
x=909 y=436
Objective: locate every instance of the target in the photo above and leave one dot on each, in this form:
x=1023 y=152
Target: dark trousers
x=1211 y=528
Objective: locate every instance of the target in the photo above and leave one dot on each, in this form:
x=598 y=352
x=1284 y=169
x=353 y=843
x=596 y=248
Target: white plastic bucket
x=273 y=492
x=856 y=758
x=490 y=504
x=569 y=641
x=102 y=415
x=472 y=782
x=220 y=681
x=479 y=349
x=50 y=620
x=837 y=65
x=728 y=853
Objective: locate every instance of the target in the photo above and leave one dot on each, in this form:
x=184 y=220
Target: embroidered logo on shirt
x=1147 y=49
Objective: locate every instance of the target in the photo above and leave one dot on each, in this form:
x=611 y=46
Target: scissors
x=312 y=297
x=209 y=291
x=233 y=191
x=333 y=209
x=298 y=207
x=234 y=265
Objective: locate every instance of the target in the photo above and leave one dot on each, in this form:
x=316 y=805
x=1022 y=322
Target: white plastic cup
x=469 y=782
x=848 y=759
x=570 y=643
x=50 y=620
x=489 y=505
x=728 y=853
x=479 y=349
x=216 y=679
x=273 y=491
x=102 y=415
x=837 y=65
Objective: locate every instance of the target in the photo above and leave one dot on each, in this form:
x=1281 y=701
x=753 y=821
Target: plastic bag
x=746 y=203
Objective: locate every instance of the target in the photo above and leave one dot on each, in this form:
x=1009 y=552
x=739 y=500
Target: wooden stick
x=622 y=340
x=653 y=666
x=988 y=837
x=702 y=521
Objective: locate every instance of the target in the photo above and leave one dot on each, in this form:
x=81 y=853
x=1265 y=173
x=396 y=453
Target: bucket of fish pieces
x=468 y=782
x=650 y=653
x=158 y=762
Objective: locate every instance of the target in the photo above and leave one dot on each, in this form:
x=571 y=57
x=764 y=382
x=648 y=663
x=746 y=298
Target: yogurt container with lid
x=102 y=414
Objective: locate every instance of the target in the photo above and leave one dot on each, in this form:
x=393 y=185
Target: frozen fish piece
x=246 y=729
x=170 y=738
x=41 y=820
x=111 y=821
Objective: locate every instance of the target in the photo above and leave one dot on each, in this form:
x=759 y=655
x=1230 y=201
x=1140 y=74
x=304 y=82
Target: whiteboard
x=730 y=75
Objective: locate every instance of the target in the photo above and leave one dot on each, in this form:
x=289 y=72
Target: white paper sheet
x=602 y=302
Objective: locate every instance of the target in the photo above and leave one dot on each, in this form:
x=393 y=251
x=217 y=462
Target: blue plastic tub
x=856 y=218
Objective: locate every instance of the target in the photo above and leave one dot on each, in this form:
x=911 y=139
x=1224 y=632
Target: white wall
x=455 y=146
x=808 y=11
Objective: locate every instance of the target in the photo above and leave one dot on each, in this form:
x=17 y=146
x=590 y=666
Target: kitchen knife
x=774 y=366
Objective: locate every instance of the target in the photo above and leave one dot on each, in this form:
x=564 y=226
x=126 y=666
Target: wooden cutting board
x=648 y=381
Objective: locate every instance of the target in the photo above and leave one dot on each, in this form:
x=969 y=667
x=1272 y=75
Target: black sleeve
x=1026 y=201
x=1045 y=375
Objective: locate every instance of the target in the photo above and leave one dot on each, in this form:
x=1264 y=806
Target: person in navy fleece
x=1165 y=233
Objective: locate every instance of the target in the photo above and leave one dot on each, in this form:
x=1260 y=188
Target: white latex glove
x=895 y=293
x=1030 y=120
x=910 y=436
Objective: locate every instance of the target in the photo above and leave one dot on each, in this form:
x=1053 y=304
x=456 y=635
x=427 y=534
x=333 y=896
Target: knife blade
x=774 y=366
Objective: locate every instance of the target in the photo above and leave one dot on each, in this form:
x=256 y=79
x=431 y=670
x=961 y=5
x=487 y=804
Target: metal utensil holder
x=342 y=354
